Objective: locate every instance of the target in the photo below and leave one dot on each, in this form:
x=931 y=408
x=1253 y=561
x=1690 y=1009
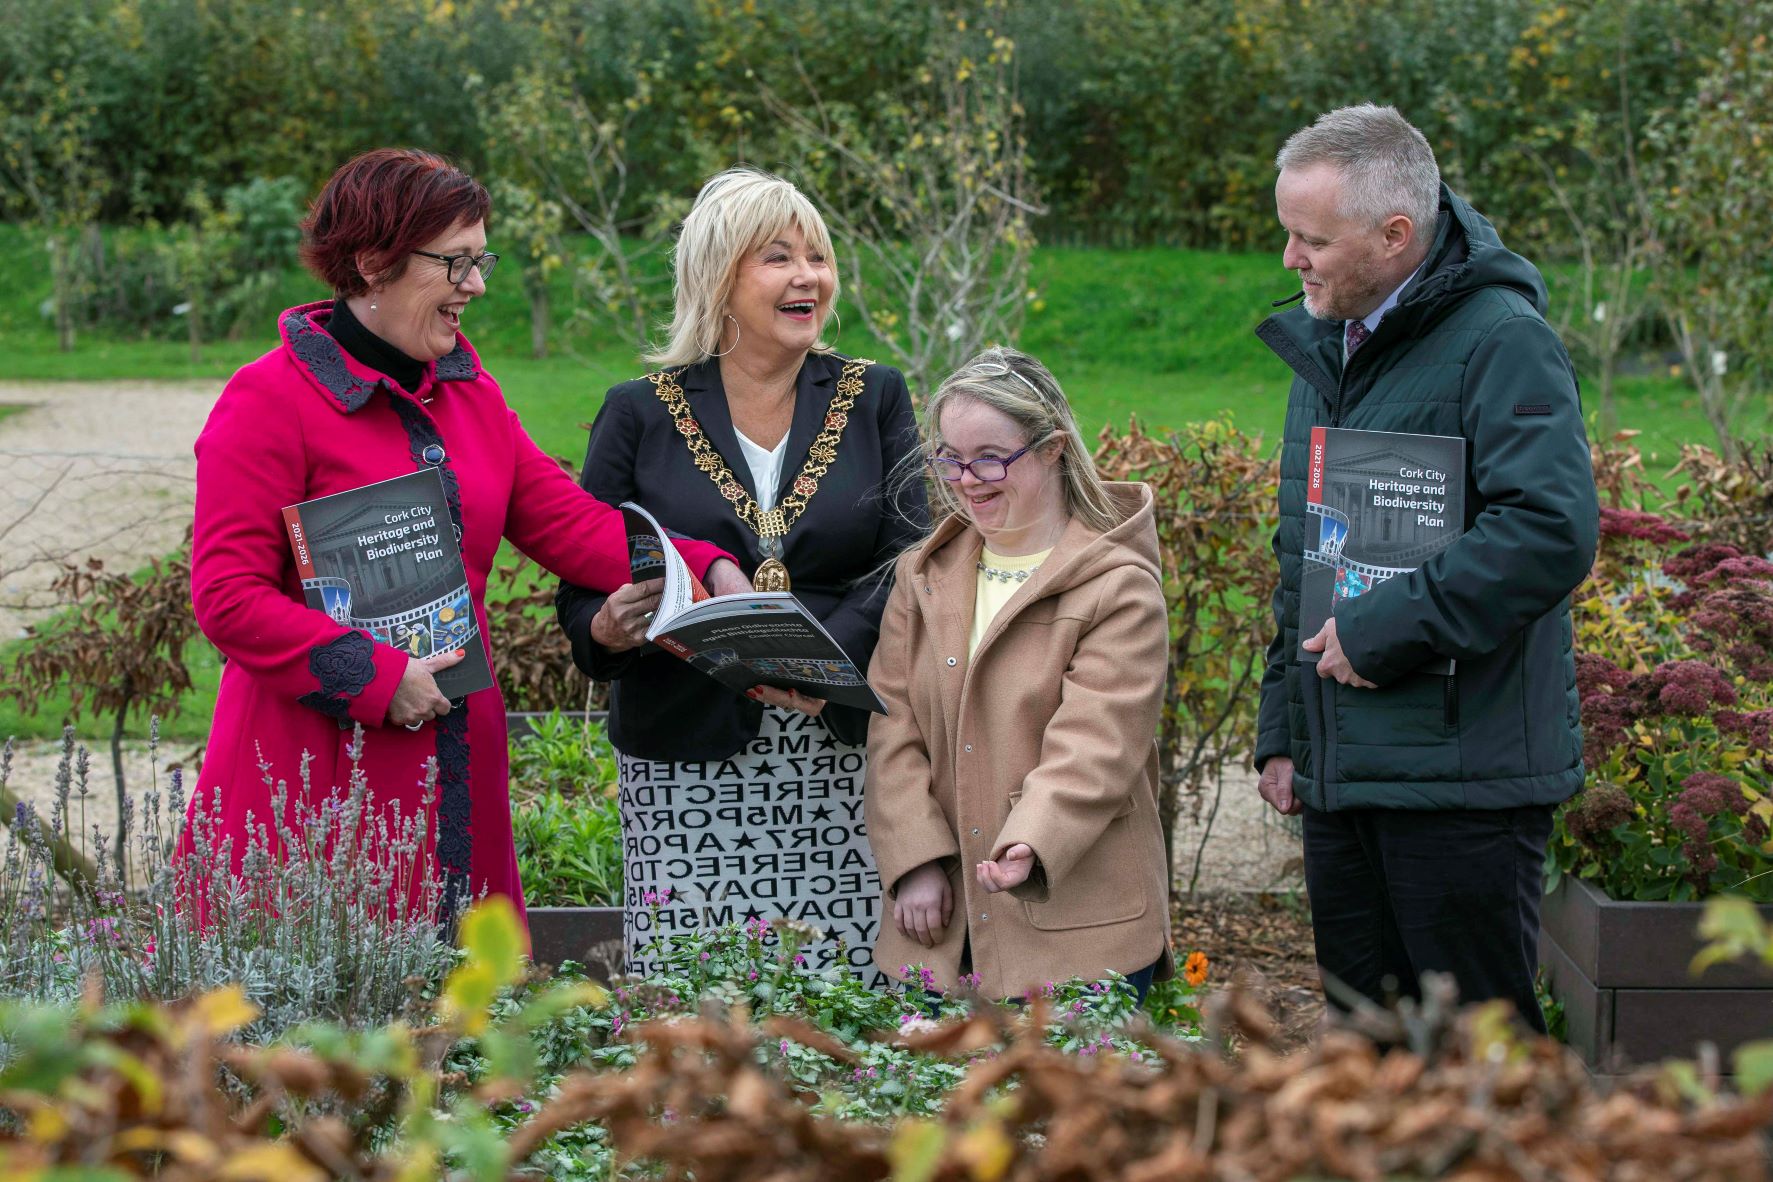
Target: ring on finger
x=647 y=616
x=413 y=726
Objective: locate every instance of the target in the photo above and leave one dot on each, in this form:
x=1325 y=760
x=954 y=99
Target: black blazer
x=838 y=552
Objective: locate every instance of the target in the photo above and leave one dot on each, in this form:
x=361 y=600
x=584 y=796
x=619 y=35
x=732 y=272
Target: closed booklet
x=758 y=638
x=384 y=559
x=1378 y=504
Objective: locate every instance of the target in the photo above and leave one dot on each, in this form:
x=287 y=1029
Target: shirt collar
x=1377 y=314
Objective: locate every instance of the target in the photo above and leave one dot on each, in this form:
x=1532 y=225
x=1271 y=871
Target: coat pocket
x=1402 y=731
x=1106 y=886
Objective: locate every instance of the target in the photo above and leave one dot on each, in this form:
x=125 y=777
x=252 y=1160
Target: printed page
x=651 y=556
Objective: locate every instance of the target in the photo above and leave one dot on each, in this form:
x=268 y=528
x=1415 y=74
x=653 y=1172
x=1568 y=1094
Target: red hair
x=388 y=203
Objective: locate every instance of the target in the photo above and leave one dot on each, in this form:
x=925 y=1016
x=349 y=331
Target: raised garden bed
x=1621 y=971
x=590 y=935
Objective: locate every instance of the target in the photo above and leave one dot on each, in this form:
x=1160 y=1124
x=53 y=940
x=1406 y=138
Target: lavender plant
x=326 y=914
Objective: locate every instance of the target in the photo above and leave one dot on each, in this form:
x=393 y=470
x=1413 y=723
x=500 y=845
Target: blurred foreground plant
x=128 y=1090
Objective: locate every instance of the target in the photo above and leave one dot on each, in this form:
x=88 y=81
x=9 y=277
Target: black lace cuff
x=344 y=668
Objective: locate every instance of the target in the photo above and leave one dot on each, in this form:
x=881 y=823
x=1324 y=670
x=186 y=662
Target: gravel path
x=92 y=470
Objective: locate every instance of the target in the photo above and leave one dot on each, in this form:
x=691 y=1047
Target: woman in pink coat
x=372 y=384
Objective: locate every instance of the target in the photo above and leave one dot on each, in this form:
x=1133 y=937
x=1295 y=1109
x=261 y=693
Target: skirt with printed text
x=775 y=831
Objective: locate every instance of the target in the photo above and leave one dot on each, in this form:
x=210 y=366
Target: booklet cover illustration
x=384 y=558
x=1378 y=504
x=760 y=638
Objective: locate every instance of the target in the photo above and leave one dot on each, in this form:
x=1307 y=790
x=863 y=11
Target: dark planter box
x=1621 y=971
x=590 y=935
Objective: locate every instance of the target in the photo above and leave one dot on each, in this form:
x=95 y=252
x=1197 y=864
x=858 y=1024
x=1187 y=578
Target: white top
x=766 y=468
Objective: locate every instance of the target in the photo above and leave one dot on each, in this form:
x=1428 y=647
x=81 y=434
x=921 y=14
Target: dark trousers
x=1396 y=893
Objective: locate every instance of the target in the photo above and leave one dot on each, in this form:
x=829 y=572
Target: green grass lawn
x=1162 y=333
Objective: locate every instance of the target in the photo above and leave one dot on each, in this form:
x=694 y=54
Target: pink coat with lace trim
x=306 y=420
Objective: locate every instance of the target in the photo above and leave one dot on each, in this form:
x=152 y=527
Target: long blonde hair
x=1017 y=385
x=736 y=212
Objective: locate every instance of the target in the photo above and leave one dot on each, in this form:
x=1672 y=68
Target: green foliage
x=1217 y=500
x=1714 y=152
x=1674 y=640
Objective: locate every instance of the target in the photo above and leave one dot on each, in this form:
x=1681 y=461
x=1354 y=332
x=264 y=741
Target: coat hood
x=1080 y=554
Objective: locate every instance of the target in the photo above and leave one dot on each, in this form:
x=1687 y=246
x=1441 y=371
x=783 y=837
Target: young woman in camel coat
x=1012 y=785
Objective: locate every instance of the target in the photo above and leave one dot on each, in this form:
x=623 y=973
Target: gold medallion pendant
x=771 y=575
x=770 y=525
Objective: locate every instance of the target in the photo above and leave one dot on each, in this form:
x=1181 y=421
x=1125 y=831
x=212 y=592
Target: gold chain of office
x=773 y=524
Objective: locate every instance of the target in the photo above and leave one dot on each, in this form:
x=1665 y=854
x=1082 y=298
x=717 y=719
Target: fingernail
x=461 y=652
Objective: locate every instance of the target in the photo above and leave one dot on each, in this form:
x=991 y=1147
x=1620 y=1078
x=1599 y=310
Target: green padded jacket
x=1467 y=352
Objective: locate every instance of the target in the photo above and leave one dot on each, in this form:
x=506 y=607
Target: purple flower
x=1692 y=564
x=1635 y=525
x=1690 y=687
x=1686 y=819
x=1711 y=794
x=1600 y=808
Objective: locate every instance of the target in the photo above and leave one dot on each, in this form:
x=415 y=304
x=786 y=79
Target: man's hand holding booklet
x=757 y=638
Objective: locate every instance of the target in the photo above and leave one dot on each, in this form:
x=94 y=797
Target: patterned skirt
x=774 y=831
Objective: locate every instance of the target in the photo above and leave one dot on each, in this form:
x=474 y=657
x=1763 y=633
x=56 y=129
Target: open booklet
x=759 y=638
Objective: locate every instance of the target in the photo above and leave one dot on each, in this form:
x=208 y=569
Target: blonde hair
x=736 y=212
x=1017 y=385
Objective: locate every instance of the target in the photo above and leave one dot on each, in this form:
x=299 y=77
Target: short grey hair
x=1385 y=164
x=736 y=212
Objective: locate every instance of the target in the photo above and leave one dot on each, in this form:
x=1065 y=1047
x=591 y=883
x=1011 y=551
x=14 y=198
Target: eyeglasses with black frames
x=458 y=264
x=990 y=469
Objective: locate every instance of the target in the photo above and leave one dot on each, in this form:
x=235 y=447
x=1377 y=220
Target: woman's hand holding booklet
x=745 y=639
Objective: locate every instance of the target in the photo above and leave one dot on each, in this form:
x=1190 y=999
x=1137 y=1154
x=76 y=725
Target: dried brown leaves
x=1484 y=1106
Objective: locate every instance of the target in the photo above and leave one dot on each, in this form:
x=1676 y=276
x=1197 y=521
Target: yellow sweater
x=998 y=581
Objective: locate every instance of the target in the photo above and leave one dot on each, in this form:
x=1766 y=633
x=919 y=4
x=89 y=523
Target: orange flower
x=1194 y=969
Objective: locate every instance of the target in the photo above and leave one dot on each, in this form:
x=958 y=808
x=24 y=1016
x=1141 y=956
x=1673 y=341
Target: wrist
x=603 y=635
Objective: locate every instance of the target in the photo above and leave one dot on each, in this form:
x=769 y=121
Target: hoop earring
x=832 y=343
x=737 y=333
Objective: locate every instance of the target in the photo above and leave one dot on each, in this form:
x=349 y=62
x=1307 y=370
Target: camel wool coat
x=1045 y=735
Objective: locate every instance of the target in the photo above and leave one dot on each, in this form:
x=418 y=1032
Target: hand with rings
x=621 y=623
x=417 y=699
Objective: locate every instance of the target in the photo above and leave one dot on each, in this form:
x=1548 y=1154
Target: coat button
x=983 y=916
x=975 y=832
x=951 y=661
x=433 y=453
x=969 y=746
x=929 y=590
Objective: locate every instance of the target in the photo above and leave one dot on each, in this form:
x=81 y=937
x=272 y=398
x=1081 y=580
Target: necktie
x=1355 y=335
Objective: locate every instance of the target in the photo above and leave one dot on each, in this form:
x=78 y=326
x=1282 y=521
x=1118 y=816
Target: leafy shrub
x=569 y=849
x=1674 y=642
x=1217 y=503
x=566 y=818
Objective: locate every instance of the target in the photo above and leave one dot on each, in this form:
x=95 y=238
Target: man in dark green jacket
x=1427 y=799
